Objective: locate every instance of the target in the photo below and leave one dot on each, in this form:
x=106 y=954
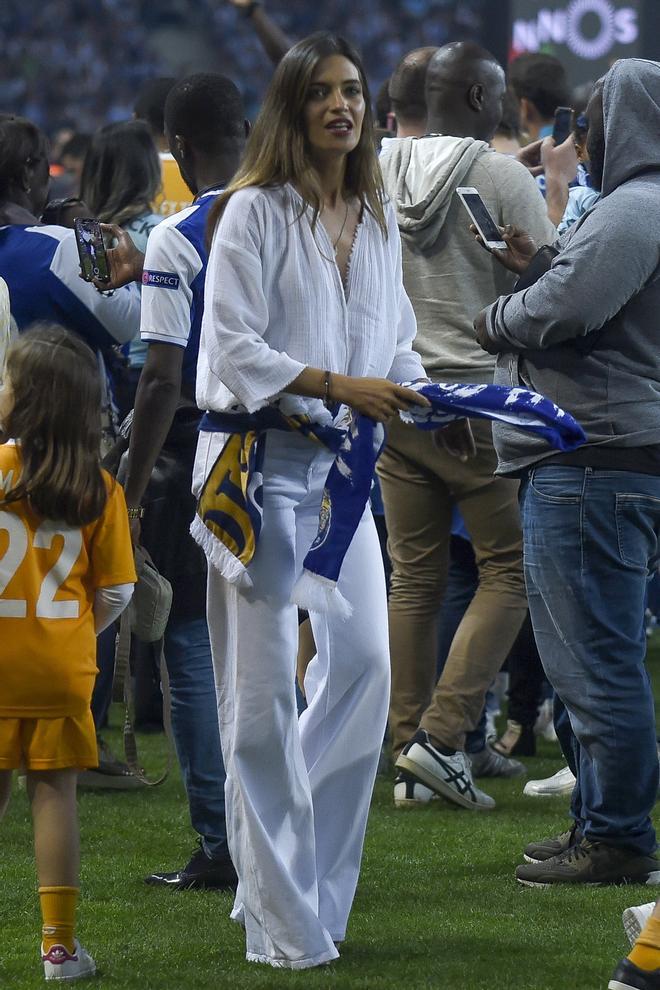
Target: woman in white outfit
x=304 y=303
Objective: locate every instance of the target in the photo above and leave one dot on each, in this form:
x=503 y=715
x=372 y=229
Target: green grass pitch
x=437 y=905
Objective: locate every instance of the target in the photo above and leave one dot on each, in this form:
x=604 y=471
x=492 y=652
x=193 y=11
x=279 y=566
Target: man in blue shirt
x=206 y=130
x=540 y=84
x=40 y=262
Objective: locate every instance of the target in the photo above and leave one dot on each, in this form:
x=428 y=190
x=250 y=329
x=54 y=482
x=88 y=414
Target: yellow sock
x=58 y=911
x=645 y=952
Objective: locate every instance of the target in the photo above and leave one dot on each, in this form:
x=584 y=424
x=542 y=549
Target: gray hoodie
x=587 y=334
x=448 y=276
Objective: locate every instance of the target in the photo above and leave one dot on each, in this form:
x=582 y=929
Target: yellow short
x=48 y=743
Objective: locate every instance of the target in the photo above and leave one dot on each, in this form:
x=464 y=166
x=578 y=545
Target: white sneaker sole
x=439 y=786
x=410 y=804
x=82 y=975
x=617 y=985
x=652 y=880
x=563 y=792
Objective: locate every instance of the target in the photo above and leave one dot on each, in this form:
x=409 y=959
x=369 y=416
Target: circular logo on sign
x=600 y=44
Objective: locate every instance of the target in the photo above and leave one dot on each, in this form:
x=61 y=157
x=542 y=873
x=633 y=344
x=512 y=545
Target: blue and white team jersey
x=173 y=281
x=41 y=268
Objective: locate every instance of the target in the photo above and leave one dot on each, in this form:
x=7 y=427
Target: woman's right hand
x=375 y=397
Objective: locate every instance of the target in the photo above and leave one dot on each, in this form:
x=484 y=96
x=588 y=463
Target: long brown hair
x=121 y=174
x=278 y=151
x=57 y=419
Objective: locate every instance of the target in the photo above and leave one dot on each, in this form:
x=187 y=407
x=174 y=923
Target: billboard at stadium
x=587 y=35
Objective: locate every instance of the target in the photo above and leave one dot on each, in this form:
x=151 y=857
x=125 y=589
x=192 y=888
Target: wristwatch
x=137 y=513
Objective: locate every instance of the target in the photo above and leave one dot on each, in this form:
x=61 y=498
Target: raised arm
x=273 y=40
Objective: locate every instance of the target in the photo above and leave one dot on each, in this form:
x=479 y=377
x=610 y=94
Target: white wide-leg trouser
x=298 y=791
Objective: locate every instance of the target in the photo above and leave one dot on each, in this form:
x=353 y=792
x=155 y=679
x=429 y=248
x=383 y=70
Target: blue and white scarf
x=229 y=510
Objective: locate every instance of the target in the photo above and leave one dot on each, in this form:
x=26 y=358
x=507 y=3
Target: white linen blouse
x=274 y=303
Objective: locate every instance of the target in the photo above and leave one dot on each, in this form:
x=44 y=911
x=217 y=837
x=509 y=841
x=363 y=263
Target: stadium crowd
x=204 y=335
x=87 y=74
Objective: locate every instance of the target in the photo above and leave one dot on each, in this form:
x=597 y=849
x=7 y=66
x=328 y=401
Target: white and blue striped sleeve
x=171 y=264
x=102 y=318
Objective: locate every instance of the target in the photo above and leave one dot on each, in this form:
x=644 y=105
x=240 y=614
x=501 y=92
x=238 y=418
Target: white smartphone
x=481 y=218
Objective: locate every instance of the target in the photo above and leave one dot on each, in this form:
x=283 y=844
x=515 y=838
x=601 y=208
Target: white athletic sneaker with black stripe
x=409 y=793
x=448 y=776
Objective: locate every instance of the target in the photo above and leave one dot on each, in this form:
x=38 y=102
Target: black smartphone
x=91 y=250
x=563 y=124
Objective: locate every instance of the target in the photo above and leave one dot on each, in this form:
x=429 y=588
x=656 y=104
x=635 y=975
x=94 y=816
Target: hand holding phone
x=563 y=124
x=91 y=250
x=489 y=231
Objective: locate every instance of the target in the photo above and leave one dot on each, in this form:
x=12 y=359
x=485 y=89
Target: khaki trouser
x=420 y=484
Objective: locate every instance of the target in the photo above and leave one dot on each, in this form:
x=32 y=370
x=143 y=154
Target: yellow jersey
x=49 y=573
x=174 y=195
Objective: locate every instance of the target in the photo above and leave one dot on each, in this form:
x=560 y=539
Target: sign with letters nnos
x=587 y=35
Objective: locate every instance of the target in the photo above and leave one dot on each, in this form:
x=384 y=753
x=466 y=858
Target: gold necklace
x=343 y=227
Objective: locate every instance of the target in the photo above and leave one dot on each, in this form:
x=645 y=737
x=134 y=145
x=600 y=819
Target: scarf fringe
x=219 y=556
x=318 y=594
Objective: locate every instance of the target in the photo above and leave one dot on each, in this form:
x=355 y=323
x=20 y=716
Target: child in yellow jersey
x=66 y=572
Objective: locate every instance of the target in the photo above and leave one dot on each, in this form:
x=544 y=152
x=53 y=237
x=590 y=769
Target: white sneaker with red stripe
x=60 y=964
x=634 y=919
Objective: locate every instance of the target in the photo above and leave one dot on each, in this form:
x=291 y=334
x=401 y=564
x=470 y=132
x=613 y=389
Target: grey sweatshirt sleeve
x=599 y=269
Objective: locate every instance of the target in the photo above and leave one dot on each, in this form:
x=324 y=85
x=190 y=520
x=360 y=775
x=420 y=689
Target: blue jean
x=195 y=729
x=590 y=540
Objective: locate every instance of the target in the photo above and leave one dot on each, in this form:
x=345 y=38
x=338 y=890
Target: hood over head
x=631 y=115
x=421 y=176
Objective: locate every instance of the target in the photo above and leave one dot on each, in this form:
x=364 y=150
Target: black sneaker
x=111 y=773
x=488 y=763
x=591 y=863
x=200 y=873
x=538 y=852
x=627 y=976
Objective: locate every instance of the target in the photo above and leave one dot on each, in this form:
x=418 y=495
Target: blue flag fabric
x=228 y=519
x=517 y=406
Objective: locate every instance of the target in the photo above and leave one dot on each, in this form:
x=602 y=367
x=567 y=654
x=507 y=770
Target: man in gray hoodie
x=586 y=335
x=449 y=279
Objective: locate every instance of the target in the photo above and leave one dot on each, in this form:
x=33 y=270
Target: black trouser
x=525 y=677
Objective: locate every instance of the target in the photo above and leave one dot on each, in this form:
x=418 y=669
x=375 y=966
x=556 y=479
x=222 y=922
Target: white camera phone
x=481 y=218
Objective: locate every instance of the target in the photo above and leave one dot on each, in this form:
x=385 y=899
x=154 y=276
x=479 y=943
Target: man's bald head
x=465 y=86
x=408 y=89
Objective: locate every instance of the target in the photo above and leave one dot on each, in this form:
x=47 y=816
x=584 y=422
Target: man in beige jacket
x=449 y=279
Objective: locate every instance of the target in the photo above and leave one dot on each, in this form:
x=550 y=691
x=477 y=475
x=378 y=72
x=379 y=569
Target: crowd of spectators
x=87 y=73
